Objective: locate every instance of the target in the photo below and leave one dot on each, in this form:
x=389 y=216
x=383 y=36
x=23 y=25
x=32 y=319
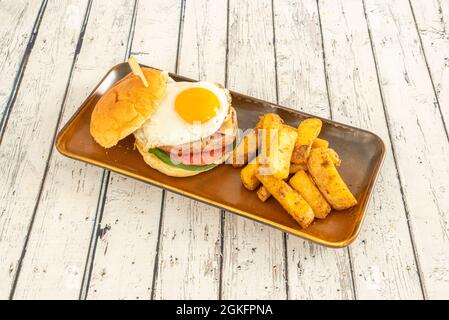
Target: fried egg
x=189 y=112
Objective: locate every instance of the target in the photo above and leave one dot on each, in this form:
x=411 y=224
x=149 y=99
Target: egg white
x=167 y=128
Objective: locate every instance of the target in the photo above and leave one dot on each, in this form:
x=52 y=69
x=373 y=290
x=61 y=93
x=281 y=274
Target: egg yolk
x=197 y=105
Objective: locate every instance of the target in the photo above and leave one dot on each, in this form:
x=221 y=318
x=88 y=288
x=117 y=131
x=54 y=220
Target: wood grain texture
x=59 y=240
x=418 y=136
x=314 y=272
x=432 y=20
x=17 y=24
x=190 y=244
x=126 y=269
x=126 y=242
x=31 y=126
x=386 y=72
x=253 y=257
x=382 y=258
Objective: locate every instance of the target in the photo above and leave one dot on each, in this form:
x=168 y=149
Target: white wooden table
x=70 y=230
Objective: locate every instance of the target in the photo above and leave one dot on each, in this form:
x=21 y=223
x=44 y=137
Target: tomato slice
x=200 y=158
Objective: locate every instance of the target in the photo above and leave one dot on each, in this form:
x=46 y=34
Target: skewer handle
x=137 y=70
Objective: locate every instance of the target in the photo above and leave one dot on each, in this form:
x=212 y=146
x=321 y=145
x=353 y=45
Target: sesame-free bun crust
x=154 y=162
x=126 y=106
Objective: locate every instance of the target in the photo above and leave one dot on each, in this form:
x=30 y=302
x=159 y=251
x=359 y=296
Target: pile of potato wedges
x=294 y=166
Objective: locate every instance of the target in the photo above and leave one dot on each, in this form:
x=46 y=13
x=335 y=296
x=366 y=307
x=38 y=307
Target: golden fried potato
x=267 y=132
x=269 y=121
x=289 y=199
x=248 y=175
x=295 y=167
x=263 y=193
x=278 y=159
x=320 y=143
x=302 y=183
x=308 y=131
x=328 y=180
x=334 y=157
x=246 y=149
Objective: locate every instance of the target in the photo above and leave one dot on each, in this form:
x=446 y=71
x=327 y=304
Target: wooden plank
x=432 y=20
x=190 y=244
x=31 y=126
x=382 y=258
x=414 y=120
x=126 y=241
x=313 y=271
x=124 y=261
x=59 y=240
x=253 y=254
x=19 y=22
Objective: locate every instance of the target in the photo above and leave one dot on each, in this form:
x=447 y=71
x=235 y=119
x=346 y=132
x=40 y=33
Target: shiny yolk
x=197 y=105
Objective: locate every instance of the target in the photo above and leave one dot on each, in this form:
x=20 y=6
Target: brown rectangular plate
x=362 y=153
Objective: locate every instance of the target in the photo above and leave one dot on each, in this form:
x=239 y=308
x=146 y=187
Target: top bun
x=126 y=106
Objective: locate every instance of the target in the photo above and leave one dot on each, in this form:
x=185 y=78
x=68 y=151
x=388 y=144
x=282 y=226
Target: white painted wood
x=432 y=19
x=125 y=270
x=190 y=244
x=253 y=262
x=155 y=40
x=253 y=258
x=382 y=257
x=59 y=241
x=17 y=19
x=189 y=252
x=420 y=142
x=28 y=136
x=313 y=271
x=127 y=241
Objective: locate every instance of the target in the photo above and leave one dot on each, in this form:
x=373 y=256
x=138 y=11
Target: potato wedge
x=289 y=199
x=302 y=183
x=269 y=121
x=263 y=194
x=267 y=132
x=248 y=175
x=246 y=149
x=320 y=143
x=308 y=131
x=334 y=157
x=295 y=167
x=278 y=159
x=329 y=181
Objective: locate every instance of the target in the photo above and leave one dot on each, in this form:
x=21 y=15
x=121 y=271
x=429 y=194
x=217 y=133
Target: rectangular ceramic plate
x=361 y=153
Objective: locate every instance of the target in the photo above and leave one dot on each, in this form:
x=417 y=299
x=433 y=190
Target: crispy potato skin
x=248 y=175
x=308 y=131
x=294 y=167
x=269 y=121
x=334 y=157
x=267 y=130
x=245 y=150
x=320 y=143
x=302 y=183
x=279 y=158
x=289 y=199
x=263 y=194
x=329 y=181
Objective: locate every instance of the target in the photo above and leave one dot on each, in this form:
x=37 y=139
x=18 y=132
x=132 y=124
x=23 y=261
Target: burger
x=181 y=128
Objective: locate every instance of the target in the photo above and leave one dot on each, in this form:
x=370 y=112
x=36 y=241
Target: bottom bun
x=154 y=162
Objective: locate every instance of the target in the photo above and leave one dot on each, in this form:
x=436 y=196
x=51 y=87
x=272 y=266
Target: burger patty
x=207 y=150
